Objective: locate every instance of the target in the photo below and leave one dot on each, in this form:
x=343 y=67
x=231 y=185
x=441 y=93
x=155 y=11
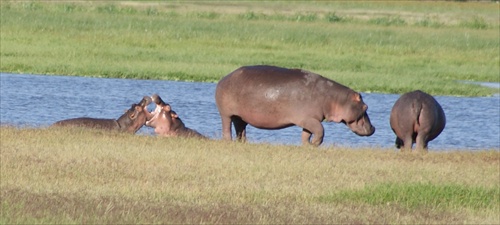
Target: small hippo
x=167 y=123
x=416 y=117
x=269 y=97
x=131 y=121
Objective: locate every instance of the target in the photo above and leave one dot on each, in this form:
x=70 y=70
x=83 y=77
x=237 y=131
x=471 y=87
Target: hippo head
x=157 y=100
x=163 y=121
x=162 y=117
x=353 y=114
x=135 y=117
x=160 y=104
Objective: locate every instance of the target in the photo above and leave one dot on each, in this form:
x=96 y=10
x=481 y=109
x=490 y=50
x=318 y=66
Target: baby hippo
x=416 y=117
x=167 y=123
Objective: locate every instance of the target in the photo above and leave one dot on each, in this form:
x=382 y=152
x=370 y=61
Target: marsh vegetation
x=391 y=47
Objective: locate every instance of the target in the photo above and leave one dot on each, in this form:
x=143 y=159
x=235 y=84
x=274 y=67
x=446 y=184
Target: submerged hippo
x=167 y=123
x=270 y=97
x=133 y=119
x=416 y=117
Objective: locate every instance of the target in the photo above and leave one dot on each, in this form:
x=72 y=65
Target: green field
x=387 y=47
x=77 y=176
x=90 y=177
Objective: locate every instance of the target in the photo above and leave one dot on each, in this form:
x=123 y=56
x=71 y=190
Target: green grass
x=419 y=195
x=93 y=177
x=389 y=47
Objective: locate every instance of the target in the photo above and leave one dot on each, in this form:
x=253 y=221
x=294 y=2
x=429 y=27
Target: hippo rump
x=167 y=123
x=416 y=117
x=269 y=97
x=131 y=121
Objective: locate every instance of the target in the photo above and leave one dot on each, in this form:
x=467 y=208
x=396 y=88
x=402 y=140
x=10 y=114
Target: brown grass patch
x=82 y=176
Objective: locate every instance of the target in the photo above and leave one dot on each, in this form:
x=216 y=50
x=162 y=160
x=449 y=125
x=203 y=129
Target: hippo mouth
x=153 y=115
x=361 y=126
x=146 y=100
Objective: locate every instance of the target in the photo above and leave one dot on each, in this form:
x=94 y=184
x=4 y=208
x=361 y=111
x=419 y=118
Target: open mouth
x=160 y=104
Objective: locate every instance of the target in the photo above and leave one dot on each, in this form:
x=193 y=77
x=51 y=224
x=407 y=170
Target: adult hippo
x=269 y=97
x=131 y=121
x=166 y=122
x=416 y=117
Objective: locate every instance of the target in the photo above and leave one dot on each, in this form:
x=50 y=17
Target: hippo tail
x=417 y=109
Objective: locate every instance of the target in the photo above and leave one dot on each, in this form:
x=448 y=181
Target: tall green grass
x=393 y=47
x=59 y=176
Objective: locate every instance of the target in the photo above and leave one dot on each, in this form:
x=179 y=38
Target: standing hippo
x=416 y=117
x=269 y=97
x=167 y=123
x=133 y=119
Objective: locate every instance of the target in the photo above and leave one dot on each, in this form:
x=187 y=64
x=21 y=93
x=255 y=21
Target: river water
x=39 y=101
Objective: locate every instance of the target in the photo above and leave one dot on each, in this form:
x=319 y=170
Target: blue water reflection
x=39 y=101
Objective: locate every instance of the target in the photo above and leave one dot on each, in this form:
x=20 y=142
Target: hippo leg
x=421 y=142
x=306 y=136
x=240 y=128
x=407 y=143
x=226 y=128
x=314 y=128
x=399 y=143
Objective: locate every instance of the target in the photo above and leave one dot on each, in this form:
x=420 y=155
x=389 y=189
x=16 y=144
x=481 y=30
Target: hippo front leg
x=399 y=143
x=314 y=128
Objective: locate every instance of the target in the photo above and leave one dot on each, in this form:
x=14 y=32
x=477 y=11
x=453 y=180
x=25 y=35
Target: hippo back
x=95 y=123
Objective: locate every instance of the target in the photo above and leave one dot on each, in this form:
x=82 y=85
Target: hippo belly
x=416 y=117
x=270 y=97
x=269 y=107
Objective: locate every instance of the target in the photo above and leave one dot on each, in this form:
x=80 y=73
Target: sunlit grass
x=363 y=45
x=82 y=176
x=415 y=195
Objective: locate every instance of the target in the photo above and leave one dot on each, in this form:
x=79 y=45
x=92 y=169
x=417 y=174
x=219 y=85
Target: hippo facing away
x=270 y=97
x=131 y=121
x=416 y=117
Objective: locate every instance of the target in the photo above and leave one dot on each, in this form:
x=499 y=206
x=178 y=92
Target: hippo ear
x=173 y=115
x=167 y=108
x=356 y=97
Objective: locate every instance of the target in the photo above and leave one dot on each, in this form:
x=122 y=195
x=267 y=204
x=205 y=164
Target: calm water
x=39 y=101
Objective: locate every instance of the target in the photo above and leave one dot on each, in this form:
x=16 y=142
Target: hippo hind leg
x=226 y=128
x=240 y=128
x=407 y=143
x=421 y=142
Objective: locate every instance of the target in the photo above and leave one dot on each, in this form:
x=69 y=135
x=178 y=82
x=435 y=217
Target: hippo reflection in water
x=133 y=119
x=166 y=122
x=416 y=117
x=270 y=97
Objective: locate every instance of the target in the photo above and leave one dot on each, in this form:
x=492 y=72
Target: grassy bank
x=78 y=176
x=390 y=47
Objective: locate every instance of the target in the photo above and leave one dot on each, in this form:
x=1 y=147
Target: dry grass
x=81 y=176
